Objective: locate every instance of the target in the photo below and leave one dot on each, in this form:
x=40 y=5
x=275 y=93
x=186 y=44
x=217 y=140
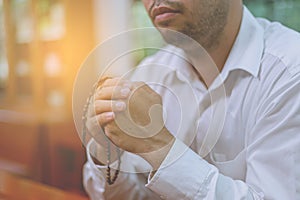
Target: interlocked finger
x=112 y=92
x=102 y=106
x=108 y=82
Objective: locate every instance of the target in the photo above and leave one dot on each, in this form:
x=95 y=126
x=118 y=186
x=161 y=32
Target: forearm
x=156 y=157
x=185 y=175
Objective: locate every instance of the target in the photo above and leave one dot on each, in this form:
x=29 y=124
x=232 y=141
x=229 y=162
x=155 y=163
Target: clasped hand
x=131 y=116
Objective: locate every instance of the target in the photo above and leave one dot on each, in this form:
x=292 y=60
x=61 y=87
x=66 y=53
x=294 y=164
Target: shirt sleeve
x=273 y=153
x=272 y=159
x=130 y=183
x=185 y=175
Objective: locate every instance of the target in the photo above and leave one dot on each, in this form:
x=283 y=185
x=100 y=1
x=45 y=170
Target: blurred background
x=42 y=45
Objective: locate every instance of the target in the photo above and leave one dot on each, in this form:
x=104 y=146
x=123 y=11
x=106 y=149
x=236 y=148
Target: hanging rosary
x=110 y=180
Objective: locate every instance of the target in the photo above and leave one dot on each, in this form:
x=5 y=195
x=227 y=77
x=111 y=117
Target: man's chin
x=175 y=37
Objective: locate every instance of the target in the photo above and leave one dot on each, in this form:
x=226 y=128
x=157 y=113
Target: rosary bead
x=109 y=180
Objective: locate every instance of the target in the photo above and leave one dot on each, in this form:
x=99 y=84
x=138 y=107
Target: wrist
x=156 y=157
x=99 y=155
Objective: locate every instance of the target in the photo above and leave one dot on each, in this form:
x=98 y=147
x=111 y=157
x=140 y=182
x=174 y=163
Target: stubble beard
x=207 y=29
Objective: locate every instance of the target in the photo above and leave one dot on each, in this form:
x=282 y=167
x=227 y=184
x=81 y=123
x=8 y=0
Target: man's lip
x=162 y=10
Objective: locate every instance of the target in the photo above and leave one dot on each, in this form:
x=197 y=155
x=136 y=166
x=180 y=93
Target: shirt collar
x=247 y=50
x=245 y=54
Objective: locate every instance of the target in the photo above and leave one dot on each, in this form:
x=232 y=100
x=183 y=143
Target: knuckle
x=110 y=127
x=102 y=81
x=96 y=108
x=115 y=92
x=101 y=119
x=92 y=125
x=99 y=93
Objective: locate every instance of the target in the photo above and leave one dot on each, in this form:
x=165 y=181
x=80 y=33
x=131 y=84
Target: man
x=256 y=155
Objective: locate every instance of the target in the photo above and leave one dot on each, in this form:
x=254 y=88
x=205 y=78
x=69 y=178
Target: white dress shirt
x=257 y=155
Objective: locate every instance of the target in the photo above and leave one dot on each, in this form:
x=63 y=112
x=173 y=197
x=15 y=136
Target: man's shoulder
x=283 y=43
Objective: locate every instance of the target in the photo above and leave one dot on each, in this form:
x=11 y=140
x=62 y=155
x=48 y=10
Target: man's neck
x=210 y=67
x=221 y=53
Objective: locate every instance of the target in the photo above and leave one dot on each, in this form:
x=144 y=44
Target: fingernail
x=110 y=115
x=120 y=106
x=125 y=92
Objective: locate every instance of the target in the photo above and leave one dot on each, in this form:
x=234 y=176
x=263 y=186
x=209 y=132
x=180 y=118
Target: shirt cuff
x=100 y=170
x=183 y=175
